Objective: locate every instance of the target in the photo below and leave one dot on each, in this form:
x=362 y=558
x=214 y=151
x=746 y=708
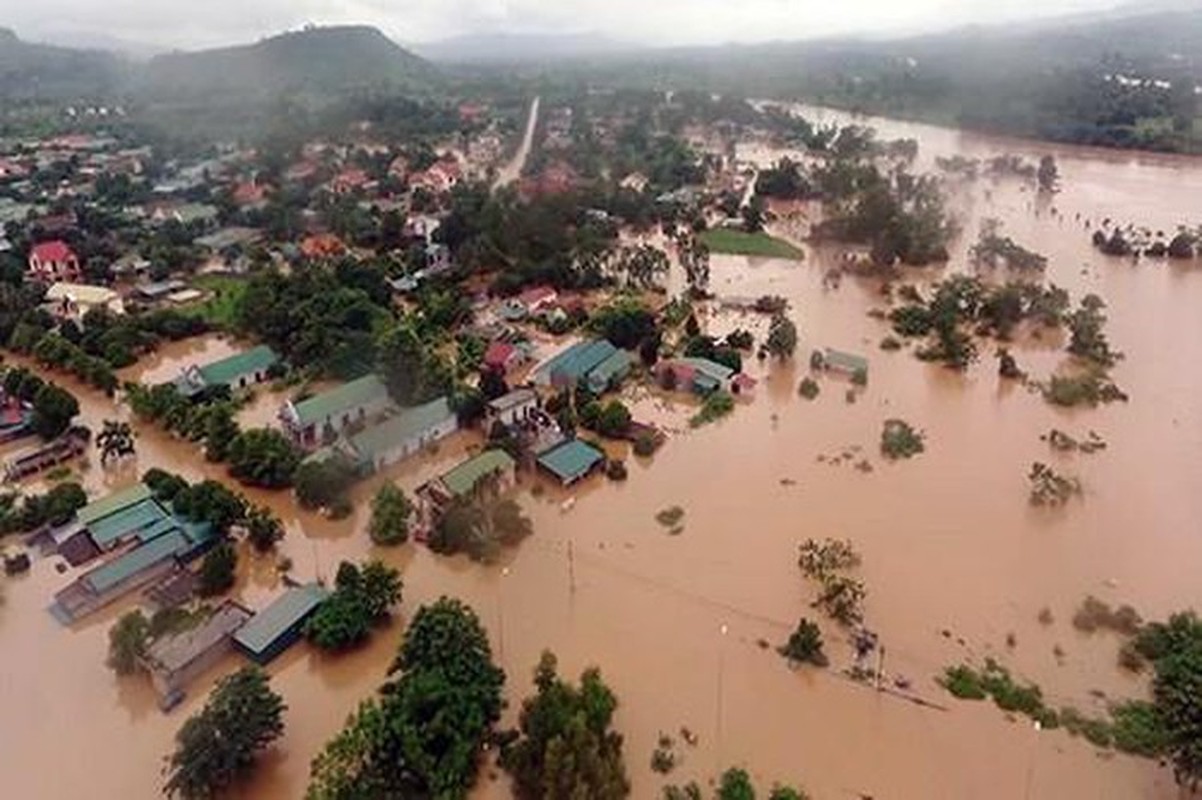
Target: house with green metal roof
x=610 y=372
x=401 y=435
x=277 y=627
x=574 y=364
x=571 y=460
x=112 y=580
x=320 y=418
x=492 y=468
x=235 y=372
x=114 y=502
x=845 y=362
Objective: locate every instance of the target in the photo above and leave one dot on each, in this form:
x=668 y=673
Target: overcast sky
x=197 y=23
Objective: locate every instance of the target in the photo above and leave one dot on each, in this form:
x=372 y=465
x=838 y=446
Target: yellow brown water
x=948 y=539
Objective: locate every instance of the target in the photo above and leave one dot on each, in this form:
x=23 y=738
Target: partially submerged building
x=278 y=626
x=514 y=408
x=400 y=436
x=571 y=460
x=490 y=471
x=597 y=363
x=839 y=361
x=232 y=373
x=175 y=661
x=702 y=376
x=319 y=419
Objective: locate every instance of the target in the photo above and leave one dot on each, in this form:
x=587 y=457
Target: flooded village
x=664 y=532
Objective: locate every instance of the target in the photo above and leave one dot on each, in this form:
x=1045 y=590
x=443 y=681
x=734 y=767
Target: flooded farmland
x=955 y=560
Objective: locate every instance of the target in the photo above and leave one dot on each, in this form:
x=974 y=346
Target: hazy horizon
x=666 y=23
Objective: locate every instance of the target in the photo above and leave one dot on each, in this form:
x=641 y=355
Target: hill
x=38 y=72
x=317 y=59
x=519 y=47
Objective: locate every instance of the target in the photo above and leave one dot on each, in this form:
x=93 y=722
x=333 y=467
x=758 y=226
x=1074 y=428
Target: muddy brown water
x=948 y=539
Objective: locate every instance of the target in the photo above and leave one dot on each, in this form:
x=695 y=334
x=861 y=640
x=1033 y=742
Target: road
x=513 y=170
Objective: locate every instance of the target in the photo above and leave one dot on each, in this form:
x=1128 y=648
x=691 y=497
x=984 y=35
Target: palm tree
x=115 y=441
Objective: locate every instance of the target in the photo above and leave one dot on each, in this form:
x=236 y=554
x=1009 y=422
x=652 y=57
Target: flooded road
x=949 y=544
x=513 y=170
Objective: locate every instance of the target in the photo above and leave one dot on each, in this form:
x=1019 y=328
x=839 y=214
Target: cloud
x=194 y=23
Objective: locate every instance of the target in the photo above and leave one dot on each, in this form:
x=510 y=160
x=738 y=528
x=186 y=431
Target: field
x=739 y=243
x=220 y=308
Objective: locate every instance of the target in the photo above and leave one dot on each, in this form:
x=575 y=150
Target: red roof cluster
x=56 y=251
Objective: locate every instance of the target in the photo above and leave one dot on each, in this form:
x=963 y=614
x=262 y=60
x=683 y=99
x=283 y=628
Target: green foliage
x=735 y=784
x=263 y=457
x=115 y=440
x=715 y=406
x=217 y=570
x=995 y=681
x=55 y=507
x=1089 y=388
x=480 y=528
x=626 y=323
x=53 y=410
x=782 y=336
x=210 y=501
x=422 y=736
x=839 y=597
x=900 y=440
x=390 y=513
x=361 y=598
x=1087 y=336
x=263 y=529
x=565 y=748
x=411 y=367
x=805 y=645
x=127 y=642
x=611 y=420
x=808 y=388
x=221 y=742
x=322 y=482
x=994 y=250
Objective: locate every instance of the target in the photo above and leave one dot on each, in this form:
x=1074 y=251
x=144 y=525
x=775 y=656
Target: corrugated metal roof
x=571 y=459
x=840 y=360
x=145 y=520
x=463 y=478
x=176 y=652
x=615 y=366
x=113 y=503
x=291 y=607
x=515 y=398
x=361 y=392
x=107 y=576
x=408 y=424
x=575 y=362
x=719 y=372
x=228 y=370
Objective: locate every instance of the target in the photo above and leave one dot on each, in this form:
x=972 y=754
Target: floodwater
x=949 y=543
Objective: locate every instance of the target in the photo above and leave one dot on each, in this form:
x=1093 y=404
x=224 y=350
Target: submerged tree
x=565 y=747
x=221 y=743
x=390 y=513
x=782 y=336
x=115 y=440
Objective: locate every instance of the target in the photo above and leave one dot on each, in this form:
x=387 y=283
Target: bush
x=900 y=440
x=716 y=405
x=645 y=445
x=1095 y=615
x=390 y=513
x=805 y=645
x=218 y=570
x=361 y=599
x=808 y=388
x=615 y=470
x=263 y=457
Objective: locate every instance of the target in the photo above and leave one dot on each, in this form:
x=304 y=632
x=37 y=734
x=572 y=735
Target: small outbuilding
x=571 y=460
x=276 y=628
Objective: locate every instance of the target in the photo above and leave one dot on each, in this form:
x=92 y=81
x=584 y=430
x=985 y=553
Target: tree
x=53 y=410
x=565 y=748
x=116 y=440
x=736 y=785
x=1049 y=174
x=782 y=336
x=361 y=598
x=263 y=457
x=423 y=735
x=321 y=483
x=390 y=513
x=695 y=258
x=480 y=528
x=263 y=529
x=221 y=429
x=753 y=215
x=127 y=642
x=218 y=570
x=210 y=501
x=805 y=644
x=643 y=265
x=1175 y=650
x=412 y=369
x=221 y=743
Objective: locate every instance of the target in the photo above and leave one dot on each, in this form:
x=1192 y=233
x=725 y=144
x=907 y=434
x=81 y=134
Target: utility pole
x=571 y=569
x=880 y=666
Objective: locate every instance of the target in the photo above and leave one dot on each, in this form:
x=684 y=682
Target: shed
x=277 y=627
x=845 y=362
x=571 y=460
x=337 y=408
x=175 y=661
x=233 y=372
x=463 y=479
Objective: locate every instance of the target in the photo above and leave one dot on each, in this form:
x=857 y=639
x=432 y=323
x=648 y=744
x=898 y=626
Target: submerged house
x=514 y=408
x=702 y=376
x=492 y=470
x=596 y=362
x=233 y=373
x=839 y=361
x=276 y=628
x=175 y=661
x=571 y=460
x=153 y=542
x=402 y=435
x=320 y=418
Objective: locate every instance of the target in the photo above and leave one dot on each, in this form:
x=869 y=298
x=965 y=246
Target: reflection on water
x=954 y=558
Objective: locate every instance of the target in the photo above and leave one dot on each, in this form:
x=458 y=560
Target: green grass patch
x=741 y=243
x=221 y=307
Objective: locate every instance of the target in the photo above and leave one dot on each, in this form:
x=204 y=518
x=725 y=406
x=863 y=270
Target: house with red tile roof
x=349 y=180
x=538 y=298
x=503 y=357
x=322 y=245
x=53 y=261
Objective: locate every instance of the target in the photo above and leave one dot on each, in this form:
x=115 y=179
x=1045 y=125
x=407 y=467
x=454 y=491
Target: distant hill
x=321 y=60
x=47 y=73
x=519 y=47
